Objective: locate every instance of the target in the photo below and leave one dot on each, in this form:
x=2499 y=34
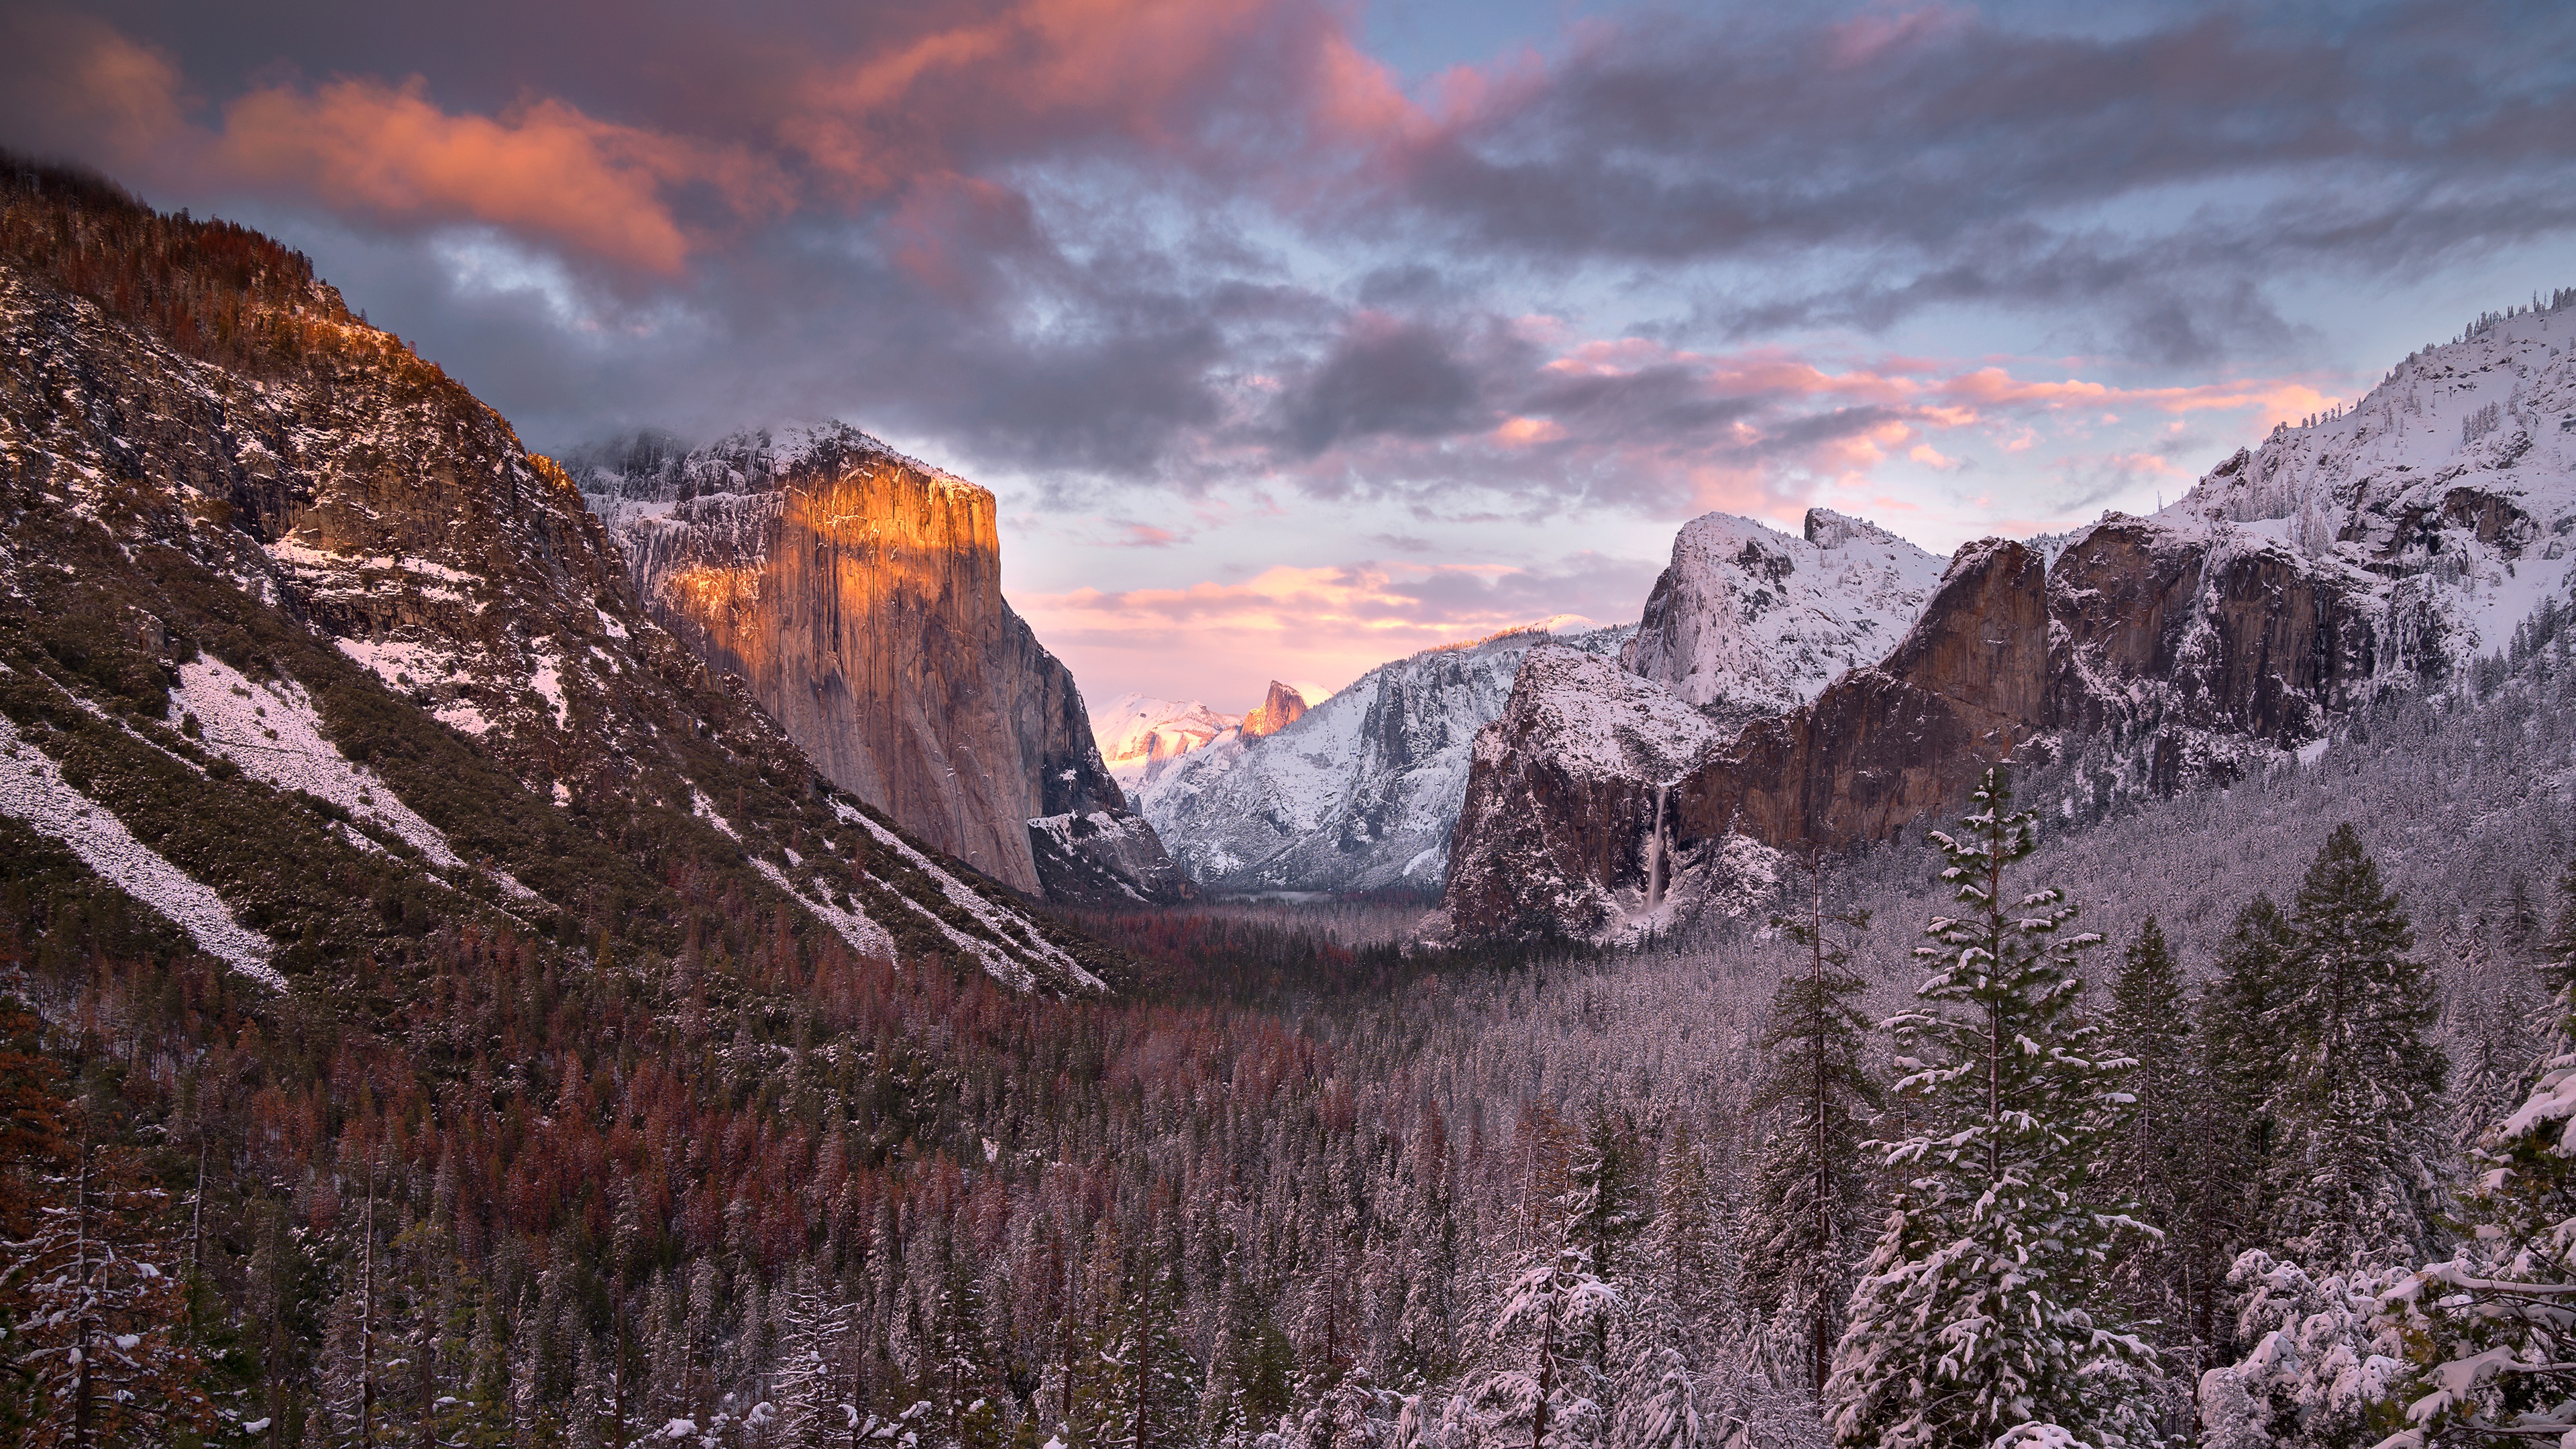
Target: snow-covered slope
x=2450 y=489
x=1360 y=792
x=1748 y=621
x=1140 y=736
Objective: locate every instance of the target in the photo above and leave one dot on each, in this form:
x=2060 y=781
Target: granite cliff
x=857 y=593
x=2391 y=545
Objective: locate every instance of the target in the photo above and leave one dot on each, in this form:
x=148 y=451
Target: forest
x=2230 y=1120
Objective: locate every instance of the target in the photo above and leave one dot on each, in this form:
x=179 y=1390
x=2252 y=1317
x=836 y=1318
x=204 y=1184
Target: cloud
x=1327 y=621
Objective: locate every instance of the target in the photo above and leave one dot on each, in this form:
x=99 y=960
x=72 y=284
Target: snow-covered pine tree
x=2361 y=1101
x=1144 y=1388
x=2242 y=1069
x=2492 y=1330
x=1690 y=1252
x=1599 y=1207
x=1805 y=1225
x=1547 y=1386
x=1983 y=1306
x=2148 y=1161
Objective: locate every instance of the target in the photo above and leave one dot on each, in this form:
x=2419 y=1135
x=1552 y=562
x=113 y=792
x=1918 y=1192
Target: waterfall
x=1655 y=853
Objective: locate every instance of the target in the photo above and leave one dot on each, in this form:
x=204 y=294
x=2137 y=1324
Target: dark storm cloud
x=1118 y=242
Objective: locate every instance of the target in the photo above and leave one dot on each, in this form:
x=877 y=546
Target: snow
x=271 y=731
x=547 y=680
x=1003 y=924
x=1362 y=791
x=865 y=936
x=1139 y=735
x=2483 y=419
x=1595 y=720
x=32 y=790
x=1752 y=618
x=705 y=809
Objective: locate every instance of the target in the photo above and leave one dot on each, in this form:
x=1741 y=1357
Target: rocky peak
x=1747 y=621
x=857 y=592
x=1280 y=708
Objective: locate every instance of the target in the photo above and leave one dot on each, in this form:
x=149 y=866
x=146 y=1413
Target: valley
x=649 y=945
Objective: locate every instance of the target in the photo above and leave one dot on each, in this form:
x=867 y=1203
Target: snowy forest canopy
x=2235 y=1120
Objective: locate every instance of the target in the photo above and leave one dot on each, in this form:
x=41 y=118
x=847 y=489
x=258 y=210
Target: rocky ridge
x=1140 y=736
x=857 y=592
x=300 y=643
x=2388 y=545
x=1362 y=791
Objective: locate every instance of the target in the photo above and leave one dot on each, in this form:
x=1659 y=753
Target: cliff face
x=2157 y=653
x=304 y=651
x=1279 y=709
x=858 y=594
x=1361 y=792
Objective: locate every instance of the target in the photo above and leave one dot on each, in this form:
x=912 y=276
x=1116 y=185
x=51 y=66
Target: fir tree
x=2492 y=1330
x=2353 y=1179
x=1982 y=1307
x=2242 y=1070
x=1804 y=1227
x=2148 y=1161
x=1550 y=1382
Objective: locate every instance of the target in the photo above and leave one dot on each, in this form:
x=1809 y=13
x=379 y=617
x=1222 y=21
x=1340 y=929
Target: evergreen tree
x=1549 y=1383
x=2242 y=1071
x=2360 y=1104
x=2492 y=1330
x=1810 y=1188
x=1144 y=1389
x=2148 y=1161
x=1690 y=1254
x=1982 y=1307
x=1599 y=1204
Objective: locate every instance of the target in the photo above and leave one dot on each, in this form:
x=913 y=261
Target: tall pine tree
x=1982 y=1307
x=1810 y=1189
x=2360 y=1105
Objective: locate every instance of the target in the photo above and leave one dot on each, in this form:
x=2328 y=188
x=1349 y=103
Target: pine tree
x=1810 y=1188
x=2148 y=1161
x=1982 y=1307
x=1598 y=1206
x=2361 y=1101
x=1691 y=1257
x=2242 y=1069
x=1145 y=1386
x=2492 y=1330
x=1548 y=1388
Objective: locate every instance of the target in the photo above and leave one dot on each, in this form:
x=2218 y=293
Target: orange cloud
x=541 y=169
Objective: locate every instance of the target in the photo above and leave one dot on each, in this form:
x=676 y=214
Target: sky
x=1299 y=335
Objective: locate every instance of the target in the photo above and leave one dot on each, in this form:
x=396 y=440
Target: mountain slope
x=305 y=619
x=1140 y=736
x=1747 y=621
x=858 y=592
x=1357 y=793
x=2389 y=546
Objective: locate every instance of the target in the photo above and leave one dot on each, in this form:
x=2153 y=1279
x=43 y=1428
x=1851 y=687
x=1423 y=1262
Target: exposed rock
x=1360 y=793
x=1280 y=708
x=1747 y=622
x=332 y=561
x=1141 y=736
x=858 y=593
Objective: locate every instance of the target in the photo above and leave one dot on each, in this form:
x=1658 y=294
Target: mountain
x=1139 y=736
x=1748 y=622
x=1358 y=793
x=1281 y=707
x=302 y=649
x=2390 y=545
x=858 y=593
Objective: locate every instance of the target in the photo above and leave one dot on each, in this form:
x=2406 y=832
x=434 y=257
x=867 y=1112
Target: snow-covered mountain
x=2389 y=545
x=1361 y=791
x=1140 y=736
x=1748 y=621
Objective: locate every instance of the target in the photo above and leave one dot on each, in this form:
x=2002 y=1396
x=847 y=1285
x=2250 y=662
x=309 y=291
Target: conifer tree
x=1691 y=1257
x=1805 y=1226
x=1549 y=1383
x=1981 y=1308
x=2242 y=1070
x=2360 y=1106
x=2148 y=1161
x=1145 y=1386
x=2492 y=1330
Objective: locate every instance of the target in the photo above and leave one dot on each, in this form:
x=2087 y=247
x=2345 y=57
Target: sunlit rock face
x=1280 y=708
x=858 y=593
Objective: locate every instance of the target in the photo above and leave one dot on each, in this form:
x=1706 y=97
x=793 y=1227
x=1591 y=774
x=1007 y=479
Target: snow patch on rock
x=32 y=790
